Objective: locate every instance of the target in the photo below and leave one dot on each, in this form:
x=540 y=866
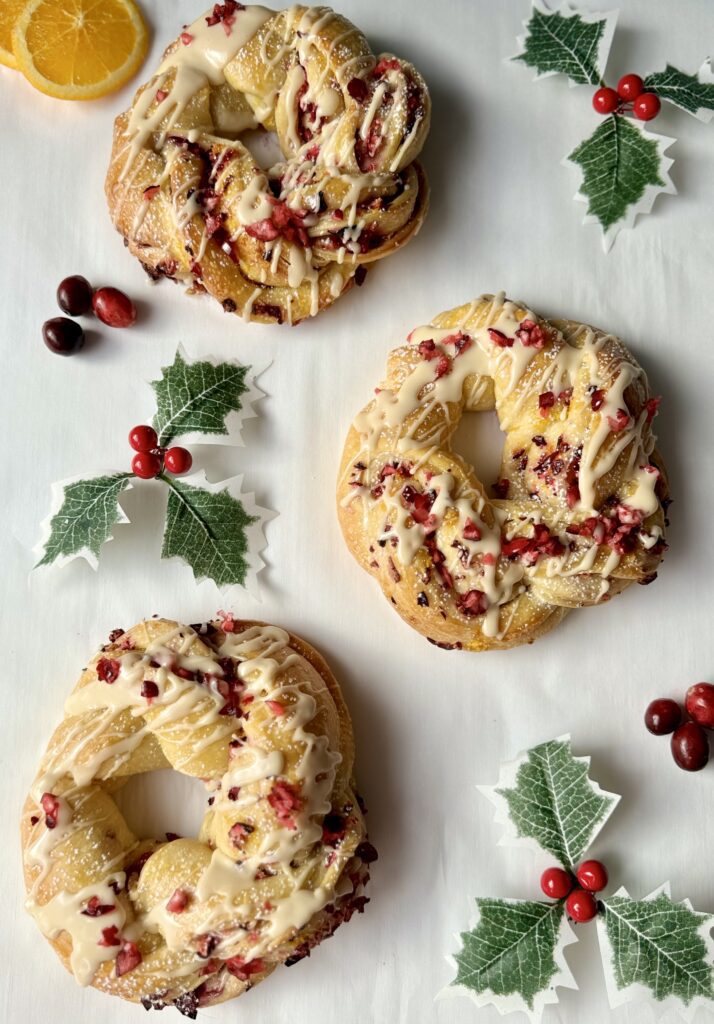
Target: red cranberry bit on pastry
x=143 y=438
x=662 y=716
x=499 y=338
x=51 y=807
x=186 y=38
x=151 y=192
x=239 y=832
x=146 y=465
x=700 y=704
x=471 y=530
x=178 y=461
x=428 y=350
x=473 y=603
x=178 y=901
x=285 y=800
x=619 y=421
x=385 y=64
x=62 y=336
x=237 y=966
x=114 y=308
x=647 y=106
x=108 y=669
x=443 y=366
x=606 y=100
x=652 y=406
x=225 y=14
x=110 y=937
x=531 y=334
x=630 y=87
x=546 y=401
x=581 y=906
x=127 y=959
x=275 y=707
x=596 y=399
x=357 y=89
x=74 y=295
x=149 y=690
x=161 y=95
x=96 y=909
x=690 y=747
x=592 y=875
x=556 y=883
x=333 y=829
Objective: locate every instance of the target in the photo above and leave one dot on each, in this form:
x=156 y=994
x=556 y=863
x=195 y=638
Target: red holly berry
x=690 y=747
x=581 y=906
x=146 y=465
x=143 y=438
x=700 y=704
x=178 y=461
x=663 y=716
x=592 y=875
x=630 y=87
x=556 y=883
x=646 y=106
x=606 y=100
x=114 y=308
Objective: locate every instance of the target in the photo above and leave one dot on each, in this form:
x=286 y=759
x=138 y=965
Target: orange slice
x=9 y=12
x=79 y=49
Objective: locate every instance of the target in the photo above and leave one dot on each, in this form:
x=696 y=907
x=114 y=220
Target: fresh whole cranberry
x=592 y=875
x=690 y=747
x=646 y=106
x=146 y=465
x=606 y=101
x=663 y=716
x=114 y=308
x=74 y=295
x=581 y=906
x=630 y=87
x=62 y=336
x=699 y=703
x=556 y=883
x=143 y=438
x=178 y=461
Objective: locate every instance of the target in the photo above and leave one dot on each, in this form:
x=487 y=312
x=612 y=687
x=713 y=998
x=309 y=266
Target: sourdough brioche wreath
x=282 y=244
x=282 y=857
x=580 y=506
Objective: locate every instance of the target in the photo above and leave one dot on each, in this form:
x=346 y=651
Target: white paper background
x=430 y=724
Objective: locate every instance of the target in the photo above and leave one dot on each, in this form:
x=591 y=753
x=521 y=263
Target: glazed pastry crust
x=582 y=494
x=280 y=245
x=281 y=859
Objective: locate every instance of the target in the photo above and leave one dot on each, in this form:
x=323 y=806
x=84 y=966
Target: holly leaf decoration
x=546 y=796
x=513 y=956
x=567 y=42
x=624 y=169
x=656 y=948
x=214 y=528
x=202 y=401
x=693 y=93
x=83 y=515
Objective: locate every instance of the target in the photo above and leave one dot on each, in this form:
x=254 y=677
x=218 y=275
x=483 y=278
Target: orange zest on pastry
x=79 y=49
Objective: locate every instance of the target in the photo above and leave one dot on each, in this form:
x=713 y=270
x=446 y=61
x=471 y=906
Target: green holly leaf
x=567 y=42
x=624 y=170
x=693 y=93
x=215 y=528
x=657 y=945
x=513 y=956
x=546 y=796
x=195 y=400
x=83 y=515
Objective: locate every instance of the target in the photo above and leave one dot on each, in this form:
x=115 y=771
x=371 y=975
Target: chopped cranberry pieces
x=333 y=829
x=385 y=64
x=225 y=14
x=205 y=944
x=471 y=530
x=51 y=807
x=178 y=901
x=474 y=602
x=531 y=334
x=127 y=959
x=237 y=966
x=227 y=621
x=285 y=800
x=151 y=191
x=539 y=440
x=161 y=95
x=149 y=689
x=186 y=38
x=619 y=421
x=264 y=230
x=276 y=707
x=499 y=338
x=110 y=937
x=596 y=399
x=357 y=89
x=428 y=350
x=108 y=669
x=239 y=832
x=546 y=401
x=96 y=909
x=652 y=405
x=233 y=792
x=443 y=366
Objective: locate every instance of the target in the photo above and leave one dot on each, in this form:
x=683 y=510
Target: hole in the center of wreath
x=264 y=147
x=163 y=801
x=480 y=441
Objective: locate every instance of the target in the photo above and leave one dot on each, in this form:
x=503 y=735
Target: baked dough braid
x=281 y=858
x=580 y=507
x=273 y=245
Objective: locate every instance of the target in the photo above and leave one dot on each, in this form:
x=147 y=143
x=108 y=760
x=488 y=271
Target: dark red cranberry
x=74 y=295
x=178 y=461
x=62 y=336
x=114 y=308
x=690 y=747
x=592 y=875
x=700 y=704
x=128 y=958
x=663 y=716
x=143 y=439
x=581 y=906
x=178 y=901
x=556 y=883
x=145 y=465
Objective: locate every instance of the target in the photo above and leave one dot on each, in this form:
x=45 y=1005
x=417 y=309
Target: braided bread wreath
x=278 y=245
x=580 y=509
x=282 y=855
